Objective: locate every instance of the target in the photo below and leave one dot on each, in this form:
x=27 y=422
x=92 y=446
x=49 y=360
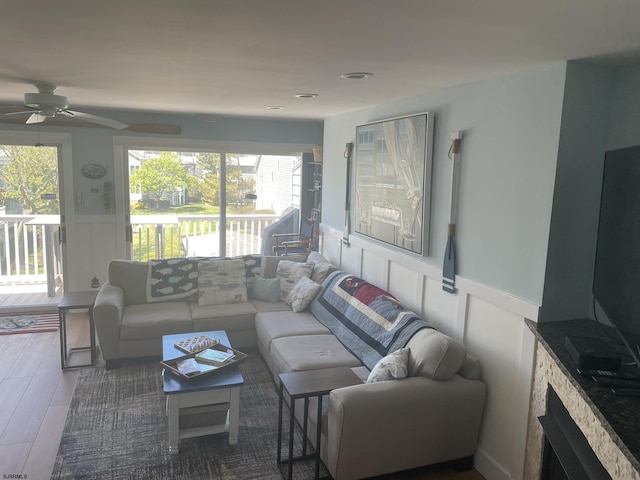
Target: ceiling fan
x=46 y=105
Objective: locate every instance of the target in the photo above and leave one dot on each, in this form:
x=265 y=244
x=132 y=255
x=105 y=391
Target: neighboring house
x=278 y=180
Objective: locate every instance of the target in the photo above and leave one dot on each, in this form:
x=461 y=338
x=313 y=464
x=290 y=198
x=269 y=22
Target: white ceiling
x=236 y=57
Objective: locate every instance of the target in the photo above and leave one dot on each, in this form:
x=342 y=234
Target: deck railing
x=30 y=249
x=166 y=236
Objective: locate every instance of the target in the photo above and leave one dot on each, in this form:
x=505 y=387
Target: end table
x=304 y=385
x=73 y=301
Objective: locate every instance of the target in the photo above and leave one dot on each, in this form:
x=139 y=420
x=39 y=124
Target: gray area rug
x=117 y=428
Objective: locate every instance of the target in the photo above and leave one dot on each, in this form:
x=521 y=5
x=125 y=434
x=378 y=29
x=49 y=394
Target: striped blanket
x=366 y=319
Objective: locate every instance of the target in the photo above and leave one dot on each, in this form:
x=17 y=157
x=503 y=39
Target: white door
x=32 y=211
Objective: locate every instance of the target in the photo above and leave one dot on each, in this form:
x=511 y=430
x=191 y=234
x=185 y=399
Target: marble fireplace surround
x=610 y=424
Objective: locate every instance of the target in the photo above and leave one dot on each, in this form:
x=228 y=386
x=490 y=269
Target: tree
x=237 y=185
x=160 y=175
x=208 y=166
x=27 y=174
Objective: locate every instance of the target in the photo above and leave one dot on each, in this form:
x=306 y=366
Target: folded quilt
x=367 y=320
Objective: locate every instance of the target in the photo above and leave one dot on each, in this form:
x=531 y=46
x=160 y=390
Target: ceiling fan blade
x=163 y=128
x=35 y=118
x=158 y=128
x=19 y=113
x=4 y=109
x=107 y=122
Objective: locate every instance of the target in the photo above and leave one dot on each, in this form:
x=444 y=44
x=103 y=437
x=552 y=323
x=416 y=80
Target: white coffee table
x=201 y=406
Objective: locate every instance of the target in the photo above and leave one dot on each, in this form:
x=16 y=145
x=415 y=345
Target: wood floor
x=34 y=399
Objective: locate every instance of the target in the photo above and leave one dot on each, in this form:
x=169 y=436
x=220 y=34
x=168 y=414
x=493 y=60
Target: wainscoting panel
x=407 y=286
x=375 y=266
x=90 y=249
x=489 y=322
x=441 y=308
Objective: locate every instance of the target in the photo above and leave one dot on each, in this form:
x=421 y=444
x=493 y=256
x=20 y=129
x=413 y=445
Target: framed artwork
x=392 y=181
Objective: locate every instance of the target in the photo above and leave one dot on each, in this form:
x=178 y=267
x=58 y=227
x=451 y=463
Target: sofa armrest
x=107 y=316
x=470 y=369
x=377 y=428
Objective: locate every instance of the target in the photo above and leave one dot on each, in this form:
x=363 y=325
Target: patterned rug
x=117 y=428
x=47 y=322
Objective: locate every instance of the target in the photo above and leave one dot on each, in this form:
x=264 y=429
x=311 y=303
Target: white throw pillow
x=302 y=294
x=221 y=282
x=391 y=367
x=289 y=273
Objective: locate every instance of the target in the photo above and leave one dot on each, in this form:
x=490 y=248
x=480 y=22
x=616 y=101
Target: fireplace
x=566 y=452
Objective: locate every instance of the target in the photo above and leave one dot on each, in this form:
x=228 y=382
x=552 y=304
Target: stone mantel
x=610 y=423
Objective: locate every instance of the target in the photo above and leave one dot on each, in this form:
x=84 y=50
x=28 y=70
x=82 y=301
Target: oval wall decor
x=93 y=171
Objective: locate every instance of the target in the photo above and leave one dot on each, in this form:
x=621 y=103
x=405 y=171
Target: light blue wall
x=511 y=129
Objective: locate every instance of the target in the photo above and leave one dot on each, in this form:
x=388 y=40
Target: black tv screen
x=616 y=283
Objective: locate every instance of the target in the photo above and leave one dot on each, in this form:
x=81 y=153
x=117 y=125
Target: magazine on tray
x=214 y=357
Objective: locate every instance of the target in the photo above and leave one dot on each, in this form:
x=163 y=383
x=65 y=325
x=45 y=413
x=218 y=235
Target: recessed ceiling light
x=306 y=95
x=275 y=107
x=356 y=75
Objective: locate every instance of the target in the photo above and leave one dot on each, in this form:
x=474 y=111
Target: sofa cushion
x=221 y=282
x=302 y=294
x=289 y=273
x=434 y=355
x=321 y=267
x=270 y=263
x=252 y=266
x=153 y=320
x=391 y=367
x=322 y=270
x=262 y=306
x=272 y=325
x=232 y=316
x=267 y=289
x=132 y=278
x=309 y=352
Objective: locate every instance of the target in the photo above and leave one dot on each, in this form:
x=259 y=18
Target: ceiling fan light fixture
x=306 y=95
x=356 y=75
x=37 y=100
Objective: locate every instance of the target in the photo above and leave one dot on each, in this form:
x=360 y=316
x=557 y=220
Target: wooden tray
x=172 y=365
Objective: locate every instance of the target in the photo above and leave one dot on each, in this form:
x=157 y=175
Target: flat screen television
x=616 y=282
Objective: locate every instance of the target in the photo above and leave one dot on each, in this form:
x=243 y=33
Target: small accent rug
x=117 y=428
x=47 y=322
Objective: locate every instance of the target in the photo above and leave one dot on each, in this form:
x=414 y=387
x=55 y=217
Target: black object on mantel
x=592 y=353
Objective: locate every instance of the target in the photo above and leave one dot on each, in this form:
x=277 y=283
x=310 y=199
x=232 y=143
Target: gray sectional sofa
x=432 y=415
x=129 y=326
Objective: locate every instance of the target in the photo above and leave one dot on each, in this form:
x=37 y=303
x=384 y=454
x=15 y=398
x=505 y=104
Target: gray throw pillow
x=267 y=289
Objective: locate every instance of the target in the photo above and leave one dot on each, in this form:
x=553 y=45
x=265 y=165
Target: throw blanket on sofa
x=366 y=319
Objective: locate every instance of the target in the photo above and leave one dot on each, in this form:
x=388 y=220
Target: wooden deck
x=27 y=297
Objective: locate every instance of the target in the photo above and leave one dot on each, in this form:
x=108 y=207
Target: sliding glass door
x=203 y=202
